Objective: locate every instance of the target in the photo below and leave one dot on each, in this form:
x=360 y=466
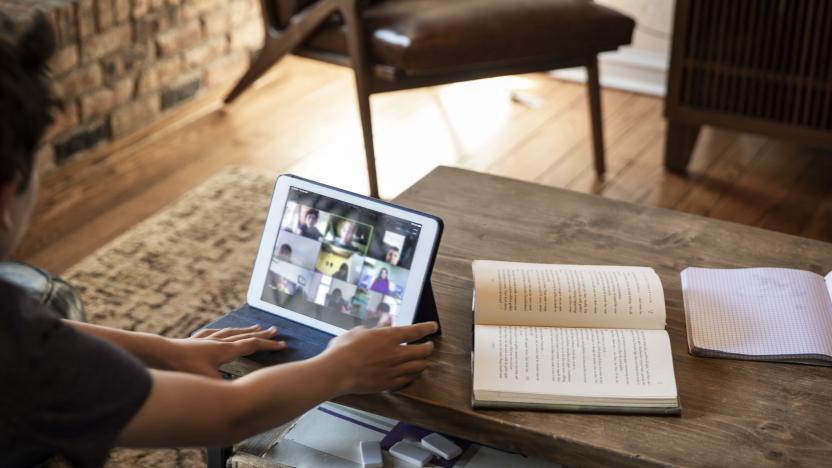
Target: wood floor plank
x=620 y=115
x=625 y=143
x=487 y=122
x=763 y=185
x=820 y=227
x=733 y=156
x=795 y=211
x=712 y=149
x=628 y=184
x=533 y=155
x=666 y=188
x=545 y=148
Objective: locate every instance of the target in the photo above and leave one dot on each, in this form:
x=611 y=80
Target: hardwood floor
x=302 y=118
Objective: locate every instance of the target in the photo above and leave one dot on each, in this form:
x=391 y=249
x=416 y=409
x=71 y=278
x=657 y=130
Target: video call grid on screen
x=340 y=263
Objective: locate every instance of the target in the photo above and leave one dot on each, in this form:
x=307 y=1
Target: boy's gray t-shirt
x=61 y=392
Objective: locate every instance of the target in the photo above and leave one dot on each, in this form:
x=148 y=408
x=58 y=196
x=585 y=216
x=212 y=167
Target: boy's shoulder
x=9 y=291
x=24 y=322
x=59 y=297
x=14 y=301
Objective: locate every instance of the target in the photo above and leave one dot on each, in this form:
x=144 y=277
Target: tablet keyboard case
x=302 y=341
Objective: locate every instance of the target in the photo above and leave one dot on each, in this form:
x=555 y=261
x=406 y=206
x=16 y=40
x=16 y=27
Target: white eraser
x=370 y=454
x=441 y=446
x=411 y=453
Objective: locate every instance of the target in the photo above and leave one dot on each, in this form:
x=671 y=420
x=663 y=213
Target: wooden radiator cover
x=763 y=66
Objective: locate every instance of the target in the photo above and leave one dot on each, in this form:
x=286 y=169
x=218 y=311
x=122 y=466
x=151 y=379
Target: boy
x=308 y=228
x=76 y=389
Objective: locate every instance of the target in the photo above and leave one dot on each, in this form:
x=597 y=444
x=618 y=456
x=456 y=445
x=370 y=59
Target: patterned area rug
x=178 y=270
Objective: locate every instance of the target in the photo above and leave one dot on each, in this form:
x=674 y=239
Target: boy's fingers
x=410 y=333
x=267 y=333
x=401 y=382
x=204 y=332
x=226 y=332
x=410 y=368
x=385 y=321
x=252 y=345
x=415 y=351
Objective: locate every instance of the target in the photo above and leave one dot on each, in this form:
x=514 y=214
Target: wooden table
x=734 y=412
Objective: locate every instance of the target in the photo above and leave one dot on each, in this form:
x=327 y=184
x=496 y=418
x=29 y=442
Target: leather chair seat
x=427 y=36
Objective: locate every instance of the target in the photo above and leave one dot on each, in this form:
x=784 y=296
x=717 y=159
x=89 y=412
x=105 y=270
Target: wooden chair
x=402 y=44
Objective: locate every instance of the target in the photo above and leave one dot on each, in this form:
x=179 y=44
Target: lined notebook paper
x=759 y=313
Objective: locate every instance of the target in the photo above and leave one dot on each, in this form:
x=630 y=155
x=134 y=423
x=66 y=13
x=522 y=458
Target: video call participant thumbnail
x=339 y=263
x=375 y=307
x=382 y=282
x=296 y=249
x=383 y=278
x=335 y=301
x=348 y=234
x=394 y=242
x=326 y=287
x=343 y=272
x=307 y=223
x=392 y=255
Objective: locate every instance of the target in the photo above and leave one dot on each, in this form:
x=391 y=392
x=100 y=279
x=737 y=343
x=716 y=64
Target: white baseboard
x=628 y=69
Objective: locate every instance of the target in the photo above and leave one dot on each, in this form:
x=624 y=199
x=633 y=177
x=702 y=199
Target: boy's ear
x=8 y=193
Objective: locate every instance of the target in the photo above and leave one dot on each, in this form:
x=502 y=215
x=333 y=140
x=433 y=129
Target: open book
x=571 y=337
x=765 y=314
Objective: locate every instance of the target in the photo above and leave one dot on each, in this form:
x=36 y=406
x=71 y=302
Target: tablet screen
x=343 y=264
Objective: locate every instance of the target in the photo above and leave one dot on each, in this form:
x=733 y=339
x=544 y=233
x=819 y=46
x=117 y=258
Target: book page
x=508 y=293
x=758 y=311
x=587 y=362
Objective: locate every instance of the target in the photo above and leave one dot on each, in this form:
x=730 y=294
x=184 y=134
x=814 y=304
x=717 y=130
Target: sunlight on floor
x=414 y=131
x=478 y=110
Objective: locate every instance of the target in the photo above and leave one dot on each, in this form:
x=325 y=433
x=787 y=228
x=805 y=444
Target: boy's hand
x=207 y=349
x=374 y=360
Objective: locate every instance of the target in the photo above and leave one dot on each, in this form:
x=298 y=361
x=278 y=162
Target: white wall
x=642 y=66
x=654 y=20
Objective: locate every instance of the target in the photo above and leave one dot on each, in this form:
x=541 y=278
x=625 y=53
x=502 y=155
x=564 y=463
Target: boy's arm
x=184 y=410
x=201 y=354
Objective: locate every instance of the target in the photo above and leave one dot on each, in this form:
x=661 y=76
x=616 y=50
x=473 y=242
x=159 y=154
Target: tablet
x=332 y=259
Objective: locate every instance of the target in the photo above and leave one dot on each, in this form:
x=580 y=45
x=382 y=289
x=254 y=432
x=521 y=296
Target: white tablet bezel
x=422 y=258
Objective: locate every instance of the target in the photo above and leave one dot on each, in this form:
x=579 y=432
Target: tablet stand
x=426 y=308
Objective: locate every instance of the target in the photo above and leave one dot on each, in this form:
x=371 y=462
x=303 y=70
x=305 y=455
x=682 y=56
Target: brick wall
x=122 y=63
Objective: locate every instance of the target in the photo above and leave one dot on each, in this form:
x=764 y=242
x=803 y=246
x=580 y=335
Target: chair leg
x=273 y=50
x=279 y=43
x=594 y=91
x=367 y=129
x=358 y=54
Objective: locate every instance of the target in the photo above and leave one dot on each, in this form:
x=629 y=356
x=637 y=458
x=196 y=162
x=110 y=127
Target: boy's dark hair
x=26 y=100
x=312 y=212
